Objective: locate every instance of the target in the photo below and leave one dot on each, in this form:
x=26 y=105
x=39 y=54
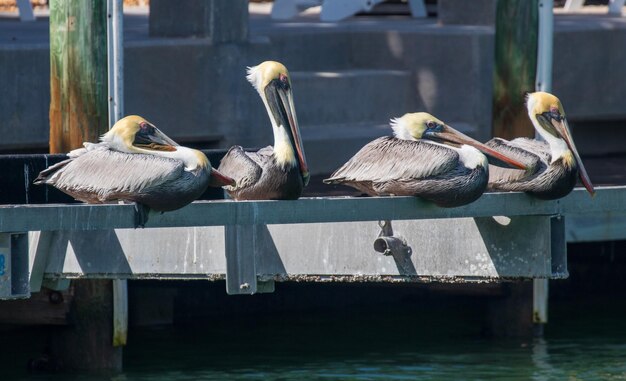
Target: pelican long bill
x=279 y=171
x=280 y=99
x=150 y=137
x=558 y=123
x=449 y=134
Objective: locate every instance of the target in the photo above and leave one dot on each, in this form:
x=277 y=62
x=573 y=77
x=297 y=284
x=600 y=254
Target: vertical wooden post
x=511 y=314
x=86 y=343
x=515 y=67
x=78 y=73
x=79 y=113
x=523 y=64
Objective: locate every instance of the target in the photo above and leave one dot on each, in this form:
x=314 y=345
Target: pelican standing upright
x=273 y=173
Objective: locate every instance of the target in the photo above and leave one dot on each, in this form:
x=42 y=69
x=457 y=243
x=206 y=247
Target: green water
x=387 y=345
x=458 y=360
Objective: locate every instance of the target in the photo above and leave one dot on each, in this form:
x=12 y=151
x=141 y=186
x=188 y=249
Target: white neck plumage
x=558 y=147
x=470 y=157
x=193 y=160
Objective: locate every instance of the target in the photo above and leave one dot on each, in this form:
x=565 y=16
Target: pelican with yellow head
x=426 y=158
x=135 y=162
x=554 y=164
x=272 y=173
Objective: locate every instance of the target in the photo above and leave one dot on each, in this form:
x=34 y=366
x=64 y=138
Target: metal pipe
x=543 y=82
x=386 y=245
x=115 y=69
x=115 y=59
x=545 y=36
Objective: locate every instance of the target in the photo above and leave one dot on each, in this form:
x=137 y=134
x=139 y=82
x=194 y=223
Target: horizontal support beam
x=18 y=218
x=596 y=227
x=455 y=250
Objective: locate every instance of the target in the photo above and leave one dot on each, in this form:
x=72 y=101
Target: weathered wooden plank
x=44 y=307
x=306 y=210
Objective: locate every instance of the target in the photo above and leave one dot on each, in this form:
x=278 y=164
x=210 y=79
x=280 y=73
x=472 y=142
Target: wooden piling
x=79 y=113
x=517 y=25
x=510 y=315
x=86 y=343
x=515 y=69
x=78 y=73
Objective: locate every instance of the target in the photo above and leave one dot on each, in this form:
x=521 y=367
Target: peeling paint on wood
x=78 y=73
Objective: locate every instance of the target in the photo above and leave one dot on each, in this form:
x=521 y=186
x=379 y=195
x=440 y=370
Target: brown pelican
x=553 y=165
x=426 y=158
x=274 y=173
x=134 y=162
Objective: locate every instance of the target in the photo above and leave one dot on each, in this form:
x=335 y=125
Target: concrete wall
x=347 y=78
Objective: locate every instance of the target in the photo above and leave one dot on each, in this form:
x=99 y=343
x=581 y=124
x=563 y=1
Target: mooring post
x=79 y=113
x=515 y=70
x=86 y=343
x=515 y=67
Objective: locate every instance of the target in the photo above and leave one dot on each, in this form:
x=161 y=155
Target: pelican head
x=422 y=125
x=135 y=135
x=272 y=82
x=547 y=115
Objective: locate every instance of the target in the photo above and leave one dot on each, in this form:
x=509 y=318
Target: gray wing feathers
x=529 y=152
x=105 y=172
x=242 y=167
x=48 y=172
x=537 y=147
x=387 y=159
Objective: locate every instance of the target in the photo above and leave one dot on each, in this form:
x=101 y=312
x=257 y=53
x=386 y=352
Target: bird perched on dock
x=273 y=173
x=426 y=158
x=553 y=164
x=136 y=162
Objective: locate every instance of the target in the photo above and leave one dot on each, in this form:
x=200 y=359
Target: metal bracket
x=14 y=281
x=243 y=244
x=396 y=246
x=558 y=262
x=558 y=247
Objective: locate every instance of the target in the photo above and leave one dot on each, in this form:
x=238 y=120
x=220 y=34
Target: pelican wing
x=242 y=166
x=537 y=147
x=389 y=158
x=532 y=153
x=101 y=174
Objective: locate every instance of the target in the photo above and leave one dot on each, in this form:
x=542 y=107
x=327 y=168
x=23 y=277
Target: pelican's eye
x=433 y=126
x=284 y=80
x=146 y=128
x=555 y=114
